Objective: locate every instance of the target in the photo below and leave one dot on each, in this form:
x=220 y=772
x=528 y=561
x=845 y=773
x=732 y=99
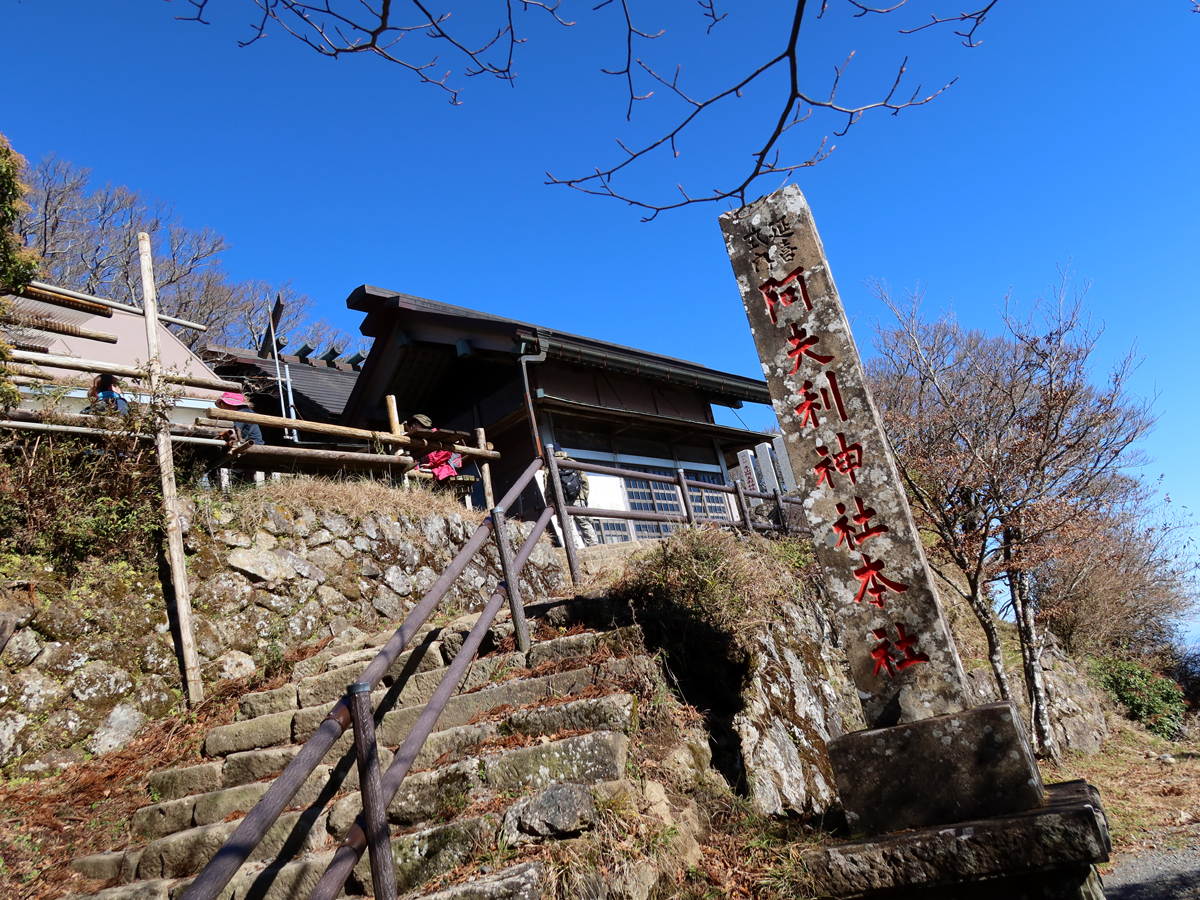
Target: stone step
x=241 y=787
x=280 y=729
x=585 y=759
x=245 y=766
x=430 y=659
x=519 y=882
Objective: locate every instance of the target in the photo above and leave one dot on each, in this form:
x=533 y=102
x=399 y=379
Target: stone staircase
x=519 y=753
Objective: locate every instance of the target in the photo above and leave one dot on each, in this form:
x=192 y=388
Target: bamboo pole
x=40 y=324
x=166 y=466
x=11 y=368
x=105 y=304
x=382 y=437
x=102 y=368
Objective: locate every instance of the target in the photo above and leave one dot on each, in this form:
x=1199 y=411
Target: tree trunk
x=1031 y=655
x=983 y=612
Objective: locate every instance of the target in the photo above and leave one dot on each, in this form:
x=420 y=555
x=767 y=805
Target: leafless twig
x=798 y=105
x=336 y=28
x=975 y=18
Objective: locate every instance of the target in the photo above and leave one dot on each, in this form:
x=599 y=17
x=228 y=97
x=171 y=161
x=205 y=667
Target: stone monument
x=927 y=758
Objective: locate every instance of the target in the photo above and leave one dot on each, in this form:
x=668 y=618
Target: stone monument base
x=973 y=764
x=1046 y=853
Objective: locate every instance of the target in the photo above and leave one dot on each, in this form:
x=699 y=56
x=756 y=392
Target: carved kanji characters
x=829 y=398
x=885 y=656
x=783 y=292
x=863 y=517
x=801 y=343
x=848 y=458
x=872 y=582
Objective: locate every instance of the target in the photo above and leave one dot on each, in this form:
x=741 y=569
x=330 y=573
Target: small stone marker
x=902 y=656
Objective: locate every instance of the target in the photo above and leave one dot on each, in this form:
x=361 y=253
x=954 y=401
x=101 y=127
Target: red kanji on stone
x=884 y=656
x=829 y=398
x=802 y=344
x=848 y=458
x=872 y=581
x=783 y=293
x=863 y=518
x=906 y=644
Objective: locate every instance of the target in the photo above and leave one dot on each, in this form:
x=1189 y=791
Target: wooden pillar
x=485 y=469
x=166 y=466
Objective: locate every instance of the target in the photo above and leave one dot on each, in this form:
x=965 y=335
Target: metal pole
x=379 y=845
x=275 y=355
x=742 y=504
x=500 y=532
x=564 y=521
x=287 y=375
x=687 y=498
x=166 y=466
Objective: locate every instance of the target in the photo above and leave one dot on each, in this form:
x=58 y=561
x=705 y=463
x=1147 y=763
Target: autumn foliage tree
x=1010 y=448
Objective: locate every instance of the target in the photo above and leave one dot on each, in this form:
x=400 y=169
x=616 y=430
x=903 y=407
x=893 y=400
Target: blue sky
x=1071 y=135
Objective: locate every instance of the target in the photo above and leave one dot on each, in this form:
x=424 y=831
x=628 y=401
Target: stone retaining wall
x=91 y=661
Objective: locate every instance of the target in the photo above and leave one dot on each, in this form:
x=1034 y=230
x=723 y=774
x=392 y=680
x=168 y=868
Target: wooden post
x=781 y=511
x=564 y=521
x=743 y=505
x=687 y=499
x=509 y=571
x=485 y=469
x=379 y=845
x=393 y=416
x=166 y=466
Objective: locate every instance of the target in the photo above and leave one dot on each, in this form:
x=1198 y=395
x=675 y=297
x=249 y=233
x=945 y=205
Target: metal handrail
x=351 y=849
x=253 y=828
x=666 y=479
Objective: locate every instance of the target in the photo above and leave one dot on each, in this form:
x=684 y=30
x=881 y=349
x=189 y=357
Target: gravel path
x=1156 y=875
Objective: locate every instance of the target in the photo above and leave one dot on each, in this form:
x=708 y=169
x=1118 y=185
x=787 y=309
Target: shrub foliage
x=1151 y=699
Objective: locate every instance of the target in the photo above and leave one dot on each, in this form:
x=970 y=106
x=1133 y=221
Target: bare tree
x=87 y=240
x=1006 y=443
x=340 y=27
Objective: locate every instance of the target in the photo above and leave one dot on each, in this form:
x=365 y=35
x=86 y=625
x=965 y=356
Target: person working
x=246 y=431
x=105 y=398
x=575 y=492
x=442 y=464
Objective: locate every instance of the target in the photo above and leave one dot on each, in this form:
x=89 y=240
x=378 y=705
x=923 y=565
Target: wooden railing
x=566 y=511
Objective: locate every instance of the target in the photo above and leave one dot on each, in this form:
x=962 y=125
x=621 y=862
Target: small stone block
x=100 y=866
x=263 y=703
x=970 y=765
x=1046 y=853
x=251 y=734
x=175 y=783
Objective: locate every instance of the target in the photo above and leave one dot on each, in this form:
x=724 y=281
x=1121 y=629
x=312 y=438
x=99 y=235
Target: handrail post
x=743 y=506
x=511 y=576
x=379 y=845
x=564 y=521
x=784 y=525
x=687 y=499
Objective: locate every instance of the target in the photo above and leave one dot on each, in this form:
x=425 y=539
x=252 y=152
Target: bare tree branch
x=336 y=28
x=975 y=18
x=797 y=107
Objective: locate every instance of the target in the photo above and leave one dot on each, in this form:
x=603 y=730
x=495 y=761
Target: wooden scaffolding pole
x=166 y=466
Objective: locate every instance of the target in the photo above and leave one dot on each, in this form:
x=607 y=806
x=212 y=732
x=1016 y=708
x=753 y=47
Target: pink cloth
x=443 y=464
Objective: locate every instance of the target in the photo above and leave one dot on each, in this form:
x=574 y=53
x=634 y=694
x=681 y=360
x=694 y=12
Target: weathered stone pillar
x=901 y=653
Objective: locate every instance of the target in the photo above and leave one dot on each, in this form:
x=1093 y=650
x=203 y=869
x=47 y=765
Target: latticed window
x=712 y=504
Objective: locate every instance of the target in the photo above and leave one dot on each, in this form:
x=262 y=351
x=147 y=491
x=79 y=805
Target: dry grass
x=733 y=583
x=46 y=823
x=1148 y=802
x=355 y=498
